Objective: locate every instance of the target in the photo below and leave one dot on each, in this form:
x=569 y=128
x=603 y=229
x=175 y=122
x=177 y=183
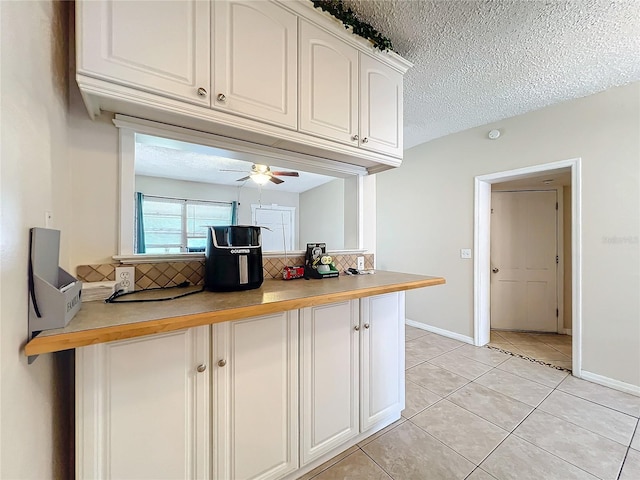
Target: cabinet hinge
x=557 y=313
x=492 y=210
x=556 y=205
x=557 y=259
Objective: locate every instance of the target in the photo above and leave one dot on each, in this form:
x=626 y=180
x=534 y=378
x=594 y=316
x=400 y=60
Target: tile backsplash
x=166 y=274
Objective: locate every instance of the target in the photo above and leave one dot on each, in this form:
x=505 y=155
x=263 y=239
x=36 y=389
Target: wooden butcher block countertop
x=99 y=322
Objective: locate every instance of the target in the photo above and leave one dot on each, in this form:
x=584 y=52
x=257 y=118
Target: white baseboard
x=439 y=331
x=566 y=331
x=611 y=383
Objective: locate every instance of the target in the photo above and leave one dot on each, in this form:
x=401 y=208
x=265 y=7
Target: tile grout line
x=509 y=432
x=626 y=454
x=554 y=454
x=526 y=378
x=450 y=447
x=373 y=460
x=333 y=464
x=533 y=408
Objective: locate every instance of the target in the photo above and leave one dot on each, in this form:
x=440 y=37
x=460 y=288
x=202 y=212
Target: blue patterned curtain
x=140 y=242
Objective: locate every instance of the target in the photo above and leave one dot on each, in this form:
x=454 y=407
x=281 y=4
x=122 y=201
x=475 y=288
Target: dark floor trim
x=533 y=360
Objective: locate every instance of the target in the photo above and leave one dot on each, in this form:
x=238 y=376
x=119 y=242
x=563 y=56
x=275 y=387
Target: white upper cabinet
x=255 y=61
x=279 y=74
x=255 y=385
x=142 y=407
x=157 y=46
x=380 y=107
x=382 y=356
x=328 y=85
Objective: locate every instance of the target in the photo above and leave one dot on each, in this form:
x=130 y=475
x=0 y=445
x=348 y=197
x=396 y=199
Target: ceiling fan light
x=260 y=178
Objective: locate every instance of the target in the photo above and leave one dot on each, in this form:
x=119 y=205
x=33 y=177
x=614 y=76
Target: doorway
x=278 y=222
x=525 y=254
x=482 y=265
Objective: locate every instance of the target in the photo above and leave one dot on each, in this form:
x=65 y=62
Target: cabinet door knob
x=355 y=138
x=202 y=92
x=222 y=97
x=222 y=363
x=365 y=140
x=356 y=328
x=201 y=368
x=366 y=325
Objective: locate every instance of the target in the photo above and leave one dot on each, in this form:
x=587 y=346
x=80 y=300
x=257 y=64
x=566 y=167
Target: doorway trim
x=482 y=246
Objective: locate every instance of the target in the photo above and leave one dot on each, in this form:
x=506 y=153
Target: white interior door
x=524 y=260
x=279 y=234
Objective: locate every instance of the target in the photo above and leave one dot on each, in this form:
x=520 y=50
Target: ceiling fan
x=261 y=174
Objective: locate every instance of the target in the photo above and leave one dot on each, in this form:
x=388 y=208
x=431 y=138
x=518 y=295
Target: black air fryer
x=233 y=259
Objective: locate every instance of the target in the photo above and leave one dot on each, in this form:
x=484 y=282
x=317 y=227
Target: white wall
x=220 y=193
x=93 y=152
x=425 y=215
x=351 y=212
x=34 y=178
x=323 y=215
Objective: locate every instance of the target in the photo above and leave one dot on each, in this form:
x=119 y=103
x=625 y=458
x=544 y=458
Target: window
x=173 y=225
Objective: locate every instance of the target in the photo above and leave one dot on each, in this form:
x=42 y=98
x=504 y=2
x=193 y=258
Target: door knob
x=495 y=269
x=366 y=325
x=356 y=328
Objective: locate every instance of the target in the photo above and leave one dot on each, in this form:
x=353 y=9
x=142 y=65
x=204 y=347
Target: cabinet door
x=255 y=61
x=159 y=46
x=328 y=85
x=256 y=397
x=142 y=407
x=380 y=107
x=329 y=340
x=382 y=358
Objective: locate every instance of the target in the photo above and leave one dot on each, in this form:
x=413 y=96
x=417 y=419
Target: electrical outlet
x=465 y=253
x=360 y=265
x=126 y=277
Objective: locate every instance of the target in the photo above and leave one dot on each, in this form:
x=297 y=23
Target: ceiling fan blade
x=286 y=174
x=277 y=181
x=243 y=179
x=239 y=171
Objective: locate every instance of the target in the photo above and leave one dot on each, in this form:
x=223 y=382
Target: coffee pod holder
x=317 y=263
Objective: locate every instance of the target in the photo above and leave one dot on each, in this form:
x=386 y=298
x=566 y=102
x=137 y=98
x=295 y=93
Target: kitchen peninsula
x=265 y=383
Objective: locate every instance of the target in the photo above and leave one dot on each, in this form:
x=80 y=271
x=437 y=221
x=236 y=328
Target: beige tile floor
x=479 y=414
x=547 y=347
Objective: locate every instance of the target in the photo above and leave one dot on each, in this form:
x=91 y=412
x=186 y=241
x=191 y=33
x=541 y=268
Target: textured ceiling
x=478 y=62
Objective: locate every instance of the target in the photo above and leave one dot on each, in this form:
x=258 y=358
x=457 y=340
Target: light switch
x=465 y=253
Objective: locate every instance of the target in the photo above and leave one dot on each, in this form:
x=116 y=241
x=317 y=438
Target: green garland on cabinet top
x=349 y=19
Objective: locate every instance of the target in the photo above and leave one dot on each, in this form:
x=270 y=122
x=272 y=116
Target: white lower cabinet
x=142 y=408
x=351 y=370
x=381 y=358
x=329 y=377
x=256 y=398
x=255 y=392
